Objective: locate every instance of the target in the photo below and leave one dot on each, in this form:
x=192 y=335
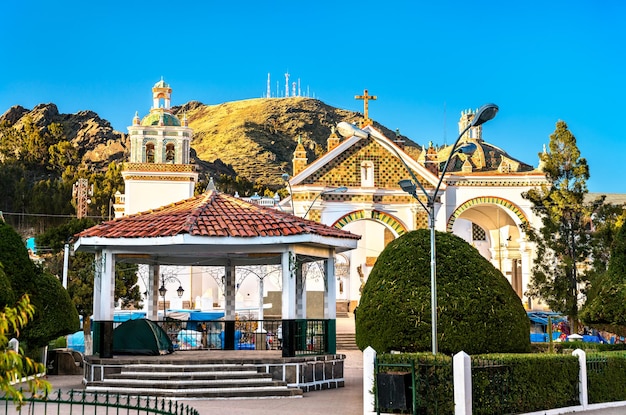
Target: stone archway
x=494 y=226
x=388 y=220
x=377 y=229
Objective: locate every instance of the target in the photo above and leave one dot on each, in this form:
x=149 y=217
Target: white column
x=104 y=286
x=230 y=292
x=330 y=289
x=369 y=403
x=300 y=293
x=583 y=395
x=525 y=249
x=462 y=378
x=288 y=262
x=153 y=292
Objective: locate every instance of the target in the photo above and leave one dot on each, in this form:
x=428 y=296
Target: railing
x=297 y=337
x=82 y=402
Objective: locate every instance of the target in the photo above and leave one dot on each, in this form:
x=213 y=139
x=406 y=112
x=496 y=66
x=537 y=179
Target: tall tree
x=563 y=241
x=606 y=308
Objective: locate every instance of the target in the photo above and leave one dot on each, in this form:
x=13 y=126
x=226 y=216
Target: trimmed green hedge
x=509 y=383
x=513 y=383
x=606 y=377
x=478 y=311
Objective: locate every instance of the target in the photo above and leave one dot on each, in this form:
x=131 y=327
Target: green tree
x=81 y=270
x=478 y=310
x=54 y=314
x=606 y=308
x=563 y=241
x=14 y=365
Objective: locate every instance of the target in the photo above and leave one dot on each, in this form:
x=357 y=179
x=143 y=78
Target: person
x=279 y=336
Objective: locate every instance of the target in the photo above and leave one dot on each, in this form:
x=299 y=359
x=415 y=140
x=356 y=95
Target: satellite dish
x=349 y=130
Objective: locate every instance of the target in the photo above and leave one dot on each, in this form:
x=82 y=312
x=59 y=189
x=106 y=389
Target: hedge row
x=513 y=383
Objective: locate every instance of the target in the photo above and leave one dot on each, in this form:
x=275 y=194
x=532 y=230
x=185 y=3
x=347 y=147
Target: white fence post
x=462 y=372
x=583 y=395
x=369 y=403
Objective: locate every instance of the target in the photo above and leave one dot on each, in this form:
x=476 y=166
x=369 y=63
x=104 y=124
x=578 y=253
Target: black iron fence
x=84 y=403
x=293 y=337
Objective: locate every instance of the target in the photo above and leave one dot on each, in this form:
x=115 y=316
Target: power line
x=49 y=215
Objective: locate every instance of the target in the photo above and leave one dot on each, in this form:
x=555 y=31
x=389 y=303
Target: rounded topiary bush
x=478 y=311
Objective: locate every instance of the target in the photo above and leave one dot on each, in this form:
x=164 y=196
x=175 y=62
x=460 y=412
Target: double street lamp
x=484 y=114
x=163 y=290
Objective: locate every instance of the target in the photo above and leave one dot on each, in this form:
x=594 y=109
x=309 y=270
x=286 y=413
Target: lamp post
x=163 y=290
x=285 y=177
x=484 y=114
x=342 y=189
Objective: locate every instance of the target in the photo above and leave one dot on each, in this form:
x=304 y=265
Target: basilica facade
x=353 y=186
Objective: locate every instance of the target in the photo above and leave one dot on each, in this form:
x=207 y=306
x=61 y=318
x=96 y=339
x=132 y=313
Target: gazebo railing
x=308 y=336
x=295 y=337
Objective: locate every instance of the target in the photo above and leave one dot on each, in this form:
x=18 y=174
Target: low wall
x=309 y=373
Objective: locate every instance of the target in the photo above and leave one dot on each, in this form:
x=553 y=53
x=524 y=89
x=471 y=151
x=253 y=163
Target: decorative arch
x=392 y=222
x=486 y=200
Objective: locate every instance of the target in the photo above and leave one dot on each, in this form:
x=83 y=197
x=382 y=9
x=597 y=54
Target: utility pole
x=81 y=191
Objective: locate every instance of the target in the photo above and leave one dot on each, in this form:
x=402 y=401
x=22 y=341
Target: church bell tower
x=159 y=170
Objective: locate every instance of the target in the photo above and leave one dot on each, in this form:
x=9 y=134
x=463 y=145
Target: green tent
x=141 y=337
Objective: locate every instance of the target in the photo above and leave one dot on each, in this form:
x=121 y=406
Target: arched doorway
x=493 y=225
x=377 y=230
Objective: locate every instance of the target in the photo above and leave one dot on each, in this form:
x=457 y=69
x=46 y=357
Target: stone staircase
x=223 y=381
x=346 y=341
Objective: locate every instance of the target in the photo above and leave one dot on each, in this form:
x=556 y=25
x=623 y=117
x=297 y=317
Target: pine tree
x=563 y=242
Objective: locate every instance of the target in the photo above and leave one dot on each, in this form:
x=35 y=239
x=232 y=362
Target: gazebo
x=215 y=229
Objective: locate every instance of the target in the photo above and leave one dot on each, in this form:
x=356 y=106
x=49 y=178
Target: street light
x=163 y=290
x=484 y=114
x=342 y=189
x=285 y=178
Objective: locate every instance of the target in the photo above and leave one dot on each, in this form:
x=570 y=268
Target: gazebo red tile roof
x=212 y=214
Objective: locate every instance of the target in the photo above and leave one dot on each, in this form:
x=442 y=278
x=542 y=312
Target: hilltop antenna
x=293 y=89
x=269 y=93
x=299 y=91
x=287 y=84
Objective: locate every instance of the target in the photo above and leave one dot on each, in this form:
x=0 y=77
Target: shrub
x=478 y=311
x=55 y=315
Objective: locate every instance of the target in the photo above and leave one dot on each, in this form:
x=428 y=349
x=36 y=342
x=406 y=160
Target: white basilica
x=353 y=186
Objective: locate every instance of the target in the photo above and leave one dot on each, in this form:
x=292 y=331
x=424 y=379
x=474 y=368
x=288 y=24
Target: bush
x=55 y=314
x=478 y=311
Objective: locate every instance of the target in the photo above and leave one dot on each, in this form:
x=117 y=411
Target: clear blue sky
x=426 y=61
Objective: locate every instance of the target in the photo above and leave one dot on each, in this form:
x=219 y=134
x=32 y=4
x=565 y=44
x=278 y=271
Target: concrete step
x=203 y=392
x=346 y=341
x=210 y=367
x=208 y=381
x=171 y=375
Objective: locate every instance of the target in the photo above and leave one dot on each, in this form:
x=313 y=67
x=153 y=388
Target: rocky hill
x=252 y=138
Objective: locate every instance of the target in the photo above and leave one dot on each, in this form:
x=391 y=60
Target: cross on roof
x=365 y=97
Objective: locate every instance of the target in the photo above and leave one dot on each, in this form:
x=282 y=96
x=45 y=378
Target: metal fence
x=84 y=403
x=419 y=384
x=308 y=337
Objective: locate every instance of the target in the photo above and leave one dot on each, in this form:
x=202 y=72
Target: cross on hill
x=366 y=97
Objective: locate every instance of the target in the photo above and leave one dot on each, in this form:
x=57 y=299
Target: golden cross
x=365 y=97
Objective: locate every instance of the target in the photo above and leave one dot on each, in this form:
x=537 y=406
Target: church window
x=150 y=153
x=170 y=153
x=478 y=233
x=367 y=174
